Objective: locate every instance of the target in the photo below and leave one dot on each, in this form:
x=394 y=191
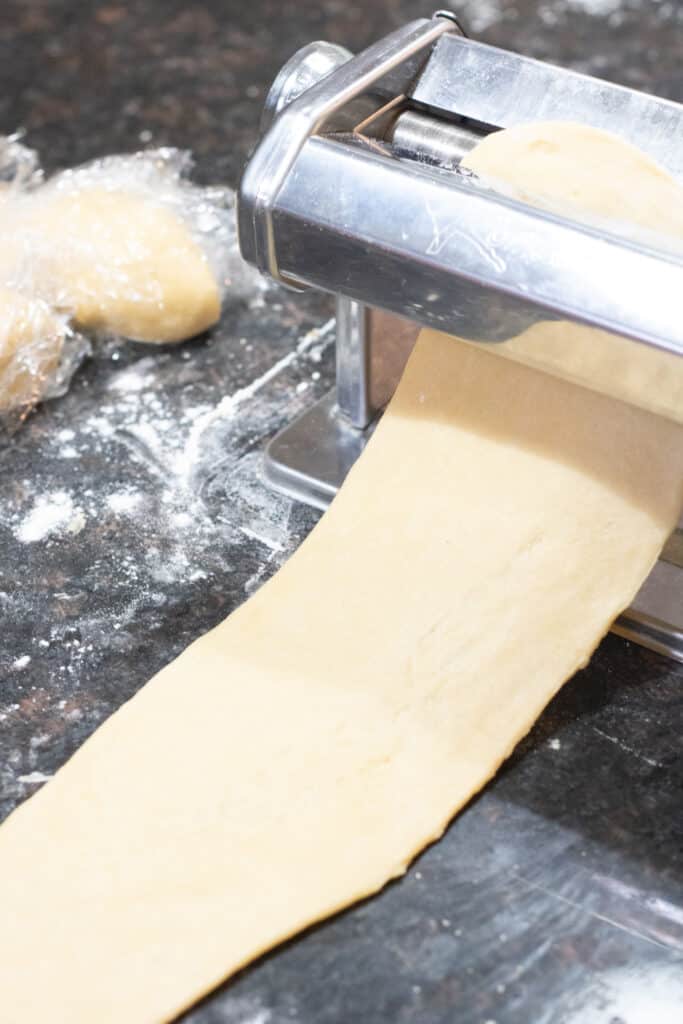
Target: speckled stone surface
x=557 y=896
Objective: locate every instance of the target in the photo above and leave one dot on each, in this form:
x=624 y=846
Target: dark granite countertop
x=557 y=896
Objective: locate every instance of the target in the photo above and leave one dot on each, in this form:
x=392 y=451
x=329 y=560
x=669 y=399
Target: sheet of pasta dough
x=298 y=756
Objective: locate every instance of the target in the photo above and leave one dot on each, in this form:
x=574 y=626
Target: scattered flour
x=33 y=777
x=181 y=519
x=21 y=662
x=203 y=460
x=52 y=515
x=122 y=502
x=229 y=406
x=135 y=378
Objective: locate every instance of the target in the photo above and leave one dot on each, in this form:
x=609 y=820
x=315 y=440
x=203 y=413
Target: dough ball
x=126 y=265
x=31 y=341
x=570 y=168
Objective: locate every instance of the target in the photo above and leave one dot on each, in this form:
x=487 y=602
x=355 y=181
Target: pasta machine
x=355 y=189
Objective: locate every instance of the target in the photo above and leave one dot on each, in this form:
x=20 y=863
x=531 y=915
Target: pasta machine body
x=356 y=189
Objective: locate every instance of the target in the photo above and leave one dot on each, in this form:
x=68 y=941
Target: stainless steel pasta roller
x=355 y=189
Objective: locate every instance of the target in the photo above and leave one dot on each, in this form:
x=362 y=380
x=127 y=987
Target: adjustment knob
x=307 y=67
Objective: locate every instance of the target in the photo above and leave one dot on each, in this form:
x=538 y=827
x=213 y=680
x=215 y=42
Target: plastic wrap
x=124 y=246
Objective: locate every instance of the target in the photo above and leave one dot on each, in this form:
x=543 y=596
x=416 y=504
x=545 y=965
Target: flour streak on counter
x=231 y=404
x=201 y=457
x=34 y=778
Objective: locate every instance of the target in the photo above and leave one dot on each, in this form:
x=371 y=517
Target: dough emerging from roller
x=497 y=522
x=578 y=171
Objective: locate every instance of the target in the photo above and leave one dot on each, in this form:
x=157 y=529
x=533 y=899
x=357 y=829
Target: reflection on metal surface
x=310 y=458
x=673 y=552
x=656 y=616
x=336 y=103
x=655 y=634
x=309 y=65
x=419 y=137
x=353 y=355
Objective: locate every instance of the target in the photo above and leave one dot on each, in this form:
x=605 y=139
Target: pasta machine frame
x=355 y=189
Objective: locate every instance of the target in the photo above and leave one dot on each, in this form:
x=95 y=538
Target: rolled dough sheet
x=299 y=755
x=586 y=172
x=571 y=169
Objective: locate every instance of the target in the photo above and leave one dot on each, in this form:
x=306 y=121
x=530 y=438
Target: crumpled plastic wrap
x=39 y=352
x=124 y=246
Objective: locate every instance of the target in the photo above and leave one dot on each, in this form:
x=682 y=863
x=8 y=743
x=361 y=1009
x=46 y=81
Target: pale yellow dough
x=572 y=167
x=298 y=756
x=127 y=265
x=31 y=342
x=576 y=170
x=116 y=260
x=113 y=261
